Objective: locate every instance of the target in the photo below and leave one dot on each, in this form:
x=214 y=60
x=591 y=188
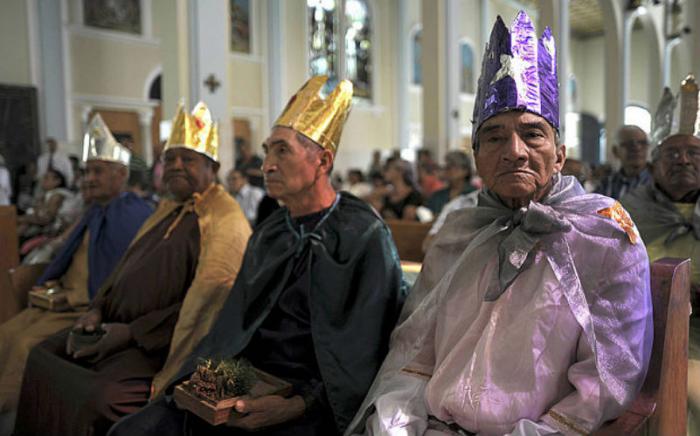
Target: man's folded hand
x=267 y=411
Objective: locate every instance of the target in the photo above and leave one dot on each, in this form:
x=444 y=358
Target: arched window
x=322 y=46
x=416 y=51
x=326 y=47
x=466 y=68
x=638 y=116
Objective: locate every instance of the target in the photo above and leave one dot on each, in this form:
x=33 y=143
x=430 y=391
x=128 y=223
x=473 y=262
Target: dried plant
x=223 y=378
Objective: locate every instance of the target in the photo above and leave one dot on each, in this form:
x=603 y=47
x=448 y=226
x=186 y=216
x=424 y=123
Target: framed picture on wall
x=240 y=26
x=119 y=15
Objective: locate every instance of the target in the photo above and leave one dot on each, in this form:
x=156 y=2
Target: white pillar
x=146 y=123
x=274 y=58
x=435 y=135
x=402 y=34
x=693 y=22
x=452 y=70
x=614 y=71
x=555 y=14
x=209 y=58
x=55 y=103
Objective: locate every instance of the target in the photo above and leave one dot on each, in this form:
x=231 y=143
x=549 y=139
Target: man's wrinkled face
x=186 y=172
x=103 y=180
x=518 y=155
x=632 y=147
x=289 y=167
x=676 y=169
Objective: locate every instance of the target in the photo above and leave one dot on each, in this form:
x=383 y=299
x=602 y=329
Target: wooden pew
x=9 y=241
x=660 y=408
x=408 y=237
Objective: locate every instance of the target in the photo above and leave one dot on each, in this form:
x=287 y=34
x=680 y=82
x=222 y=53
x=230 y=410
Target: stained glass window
x=323 y=48
x=466 y=68
x=324 y=43
x=358 y=47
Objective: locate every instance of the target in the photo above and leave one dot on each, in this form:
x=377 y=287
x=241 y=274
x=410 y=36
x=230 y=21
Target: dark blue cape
x=355 y=296
x=111 y=230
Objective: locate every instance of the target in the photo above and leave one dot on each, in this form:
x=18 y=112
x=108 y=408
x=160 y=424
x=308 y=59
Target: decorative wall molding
x=157 y=71
x=254 y=59
x=109 y=35
x=114 y=102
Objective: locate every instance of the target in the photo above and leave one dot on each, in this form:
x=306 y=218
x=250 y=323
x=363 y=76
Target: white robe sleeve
x=583 y=410
x=401 y=411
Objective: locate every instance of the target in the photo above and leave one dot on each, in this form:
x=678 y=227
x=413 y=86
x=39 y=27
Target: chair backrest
x=9 y=242
x=660 y=408
x=408 y=237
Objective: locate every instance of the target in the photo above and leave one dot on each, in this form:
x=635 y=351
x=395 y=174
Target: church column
x=275 y=58
x=55 y=105
x=194 y=42
x=174 y=44
x=209 y=45
x=555 y=14
x=693 y=21
x=615 y=74
x=402 y=33
x=434 y=64
x=145 y=122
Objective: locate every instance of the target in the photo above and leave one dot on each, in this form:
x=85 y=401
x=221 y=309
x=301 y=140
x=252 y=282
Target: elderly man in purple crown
x=532 y=314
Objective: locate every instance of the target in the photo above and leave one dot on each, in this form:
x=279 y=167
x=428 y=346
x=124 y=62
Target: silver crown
x=99 y=144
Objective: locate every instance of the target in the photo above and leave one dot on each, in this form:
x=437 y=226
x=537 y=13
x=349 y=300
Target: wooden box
x=220 y=412
x=49 y=299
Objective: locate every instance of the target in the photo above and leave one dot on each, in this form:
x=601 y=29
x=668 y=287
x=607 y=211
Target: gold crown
x=195 y=132
x=319 y=119
x=99 y=144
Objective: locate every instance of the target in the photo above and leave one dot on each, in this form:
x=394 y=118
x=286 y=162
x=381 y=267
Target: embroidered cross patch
x=619 y=214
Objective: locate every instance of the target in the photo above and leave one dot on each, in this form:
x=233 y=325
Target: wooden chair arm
x=632 y=421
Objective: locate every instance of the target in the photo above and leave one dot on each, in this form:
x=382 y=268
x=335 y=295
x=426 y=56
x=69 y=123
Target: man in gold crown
x=83 y=263
x=160 y=301
x=667 y=212
x=317 y=295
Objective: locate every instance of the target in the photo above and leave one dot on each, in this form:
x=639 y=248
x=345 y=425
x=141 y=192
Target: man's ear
x=326 y=161
x=123 y=171
x=215 y=166
x=561 y=158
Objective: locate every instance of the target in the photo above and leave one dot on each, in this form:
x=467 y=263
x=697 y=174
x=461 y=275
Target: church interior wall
x=15 y=67
x=104 y=67
x=111 y=72
x=588 y=66
x=640 y=58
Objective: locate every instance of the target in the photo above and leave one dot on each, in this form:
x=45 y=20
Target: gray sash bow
x=527 y=225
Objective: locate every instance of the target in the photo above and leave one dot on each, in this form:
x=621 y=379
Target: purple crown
x=519 y=72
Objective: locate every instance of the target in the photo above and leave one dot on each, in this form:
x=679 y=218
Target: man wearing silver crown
x=532 y=313
x=668 y=210
x=160 y=300
x=83 y=263
x=317 y=295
